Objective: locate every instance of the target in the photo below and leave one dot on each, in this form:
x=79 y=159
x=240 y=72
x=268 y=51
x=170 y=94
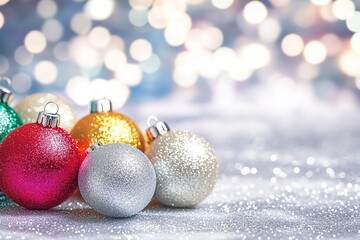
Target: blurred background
x=140 y=50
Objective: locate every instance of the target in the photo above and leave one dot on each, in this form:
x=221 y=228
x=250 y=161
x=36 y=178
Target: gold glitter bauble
x=107 y=127
x=29 y=108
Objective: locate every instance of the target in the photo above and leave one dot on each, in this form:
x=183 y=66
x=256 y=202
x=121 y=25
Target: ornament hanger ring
x=152 y=119
x=57 y=107
x=8 y=80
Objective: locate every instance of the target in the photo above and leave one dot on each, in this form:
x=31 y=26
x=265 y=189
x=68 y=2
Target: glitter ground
x=283 y=174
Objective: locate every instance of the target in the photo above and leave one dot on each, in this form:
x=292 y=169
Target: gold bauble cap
x=155 y=129
x=48 y=119
x=100 y=105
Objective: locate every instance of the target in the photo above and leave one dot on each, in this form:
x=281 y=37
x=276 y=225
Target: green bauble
x=9 y=120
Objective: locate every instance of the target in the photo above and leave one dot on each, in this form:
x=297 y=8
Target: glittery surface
x=8 y=120
x=107 y=127
x=117 y=180
x=38 y=166
x=285 y=172
x=186 y=168
x=30 y=106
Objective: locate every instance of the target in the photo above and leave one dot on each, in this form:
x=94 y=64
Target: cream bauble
x=29 y=107
x=185 y=166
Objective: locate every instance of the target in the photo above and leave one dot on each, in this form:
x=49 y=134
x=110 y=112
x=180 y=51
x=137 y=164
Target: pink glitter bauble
x=39 y=166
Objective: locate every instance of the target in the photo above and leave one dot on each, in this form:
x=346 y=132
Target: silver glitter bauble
x=185 y=166
x=116 y=179
x=29 y=107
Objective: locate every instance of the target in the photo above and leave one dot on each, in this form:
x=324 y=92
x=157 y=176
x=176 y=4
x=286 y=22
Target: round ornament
x=185 y=165
x=9 y=119
x=29 y=107
x=105 y=126
x=39 y=163
x=116 y=179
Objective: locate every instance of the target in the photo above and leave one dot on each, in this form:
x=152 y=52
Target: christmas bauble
x=9 y=119
x=29 y=107
x=39 y=163
x=105 y=126
x=116 y=179
x=185 y=166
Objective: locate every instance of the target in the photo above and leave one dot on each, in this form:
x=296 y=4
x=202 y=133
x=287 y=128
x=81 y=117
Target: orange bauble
x=105 y=126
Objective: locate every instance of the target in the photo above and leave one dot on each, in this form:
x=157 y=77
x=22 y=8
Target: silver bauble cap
x=100 y=105
x=5 y=94
x=48 y=119
x=93 y=148
x=156 y=128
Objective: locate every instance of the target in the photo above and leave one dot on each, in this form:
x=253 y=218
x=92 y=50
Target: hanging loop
x=152 y=119
x=6 y=79
x=57 y=107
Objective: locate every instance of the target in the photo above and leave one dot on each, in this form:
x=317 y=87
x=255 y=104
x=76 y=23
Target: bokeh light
x=140 y=5
x=343 y=9
x=130 y=74
x=320 y=2
x=99 y=37
x=149 y=48
x=332 y=43
x=140 y=49
x=45 y=72
x=185 y=77
x=353 y=22
x=21 y=82
x=315 y=52
x=138 y=18
x=151 y=65
x=222 y=4
x=114 y=59
x=53 y=30
x=256 y=55
x=22 y=56
x=4 y=64
x=3 y=2
x=255 y=12
x=61 y=51
x=47 y=8
x=355 y=42
x=346 y=63
x=35 y=41
x=2 y=20
x=80 y=23
x=83 y=53
x=269 y=30
x=99 y=9
x=157 y=17
x=292 y=45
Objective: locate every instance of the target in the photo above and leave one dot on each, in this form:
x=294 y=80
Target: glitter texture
x=38 y=166
x=29 y=108
x=284 y=173
x=117 y=180
x=186 y=168
x=9 y=120
x=107 y=127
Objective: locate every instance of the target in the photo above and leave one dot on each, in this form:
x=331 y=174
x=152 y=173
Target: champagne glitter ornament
x=185 y=165
x=105 y=126
x=39 y=163
x=29 y=107
x=117 y=179
x=9 y=119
